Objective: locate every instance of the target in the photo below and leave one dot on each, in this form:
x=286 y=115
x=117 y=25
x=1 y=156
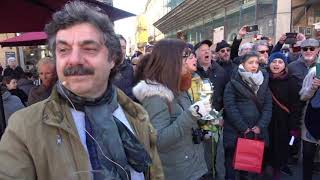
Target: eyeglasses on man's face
x=224 y=50
x=305 y=49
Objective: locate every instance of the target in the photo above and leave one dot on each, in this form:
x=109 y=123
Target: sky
x=126 y=27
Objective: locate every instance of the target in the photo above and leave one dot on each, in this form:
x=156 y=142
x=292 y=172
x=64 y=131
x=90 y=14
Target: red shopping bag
x=249 y=155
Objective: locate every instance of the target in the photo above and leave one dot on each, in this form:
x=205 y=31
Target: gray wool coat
x=181 y=158
x=241 y=111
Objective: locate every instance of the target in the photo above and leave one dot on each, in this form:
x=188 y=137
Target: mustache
x=78 y=70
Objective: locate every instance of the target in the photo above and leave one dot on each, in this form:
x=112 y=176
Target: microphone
x=64 y=83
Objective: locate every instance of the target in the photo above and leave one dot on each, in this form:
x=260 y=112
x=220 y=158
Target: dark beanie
x=247 y=56
x=221 y=45
x=278 y=55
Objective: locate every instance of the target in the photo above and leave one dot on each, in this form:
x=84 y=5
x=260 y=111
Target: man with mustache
x=87 y=128
x=48 y=77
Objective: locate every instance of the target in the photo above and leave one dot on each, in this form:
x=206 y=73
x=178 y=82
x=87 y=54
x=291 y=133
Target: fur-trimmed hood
x=151 y=88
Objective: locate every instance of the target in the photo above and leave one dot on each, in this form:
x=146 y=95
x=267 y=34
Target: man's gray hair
x=78 y=12
x=247 y=45
x=46 y=60
x=259 y=43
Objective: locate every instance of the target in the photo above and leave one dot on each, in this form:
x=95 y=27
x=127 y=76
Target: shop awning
x=26 y=39
x=32 y=15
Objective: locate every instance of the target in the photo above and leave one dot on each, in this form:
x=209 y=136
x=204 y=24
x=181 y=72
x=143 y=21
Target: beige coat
x=42 y=142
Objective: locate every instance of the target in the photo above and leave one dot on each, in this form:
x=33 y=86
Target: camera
x=198 y=135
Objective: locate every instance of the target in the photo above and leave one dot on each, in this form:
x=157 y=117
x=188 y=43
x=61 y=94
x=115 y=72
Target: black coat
x=281 y=122
x=241 y=112
x=297 y=72
x=124 y=79
x=16 y=73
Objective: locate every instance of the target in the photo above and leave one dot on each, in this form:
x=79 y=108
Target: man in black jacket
x=223 y=49
x=124 y=79
x=13 y=69
x=209 y=69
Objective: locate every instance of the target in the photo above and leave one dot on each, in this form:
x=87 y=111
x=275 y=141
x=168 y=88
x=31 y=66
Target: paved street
x=297 y=174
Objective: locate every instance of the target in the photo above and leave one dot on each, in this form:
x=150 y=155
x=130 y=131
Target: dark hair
x=248 y=56
x=7 y=79
x=78 y=12
x=143 y=60
x=165 y=63
x=121 y=38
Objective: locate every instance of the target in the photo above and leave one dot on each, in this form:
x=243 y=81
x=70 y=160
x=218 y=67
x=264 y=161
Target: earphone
x=122 y=168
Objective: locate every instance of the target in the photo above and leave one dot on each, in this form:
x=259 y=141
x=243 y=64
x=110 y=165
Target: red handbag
x=248 y=155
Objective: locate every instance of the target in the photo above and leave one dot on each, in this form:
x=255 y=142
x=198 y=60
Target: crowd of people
x=98 y=115
x=20 y=89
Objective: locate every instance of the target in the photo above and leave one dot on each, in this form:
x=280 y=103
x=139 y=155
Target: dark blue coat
x=124 y=80
x=241 y=111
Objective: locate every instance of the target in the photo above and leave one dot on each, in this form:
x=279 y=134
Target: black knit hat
x=221 y=45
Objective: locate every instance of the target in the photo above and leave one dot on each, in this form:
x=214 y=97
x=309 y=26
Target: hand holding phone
x=318 y=67
x=291 y=38
x=252 y=28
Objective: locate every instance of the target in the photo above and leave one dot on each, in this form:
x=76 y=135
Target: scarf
x=185 y=82
x=115 y=139
x=253 y=80
x=282 y=75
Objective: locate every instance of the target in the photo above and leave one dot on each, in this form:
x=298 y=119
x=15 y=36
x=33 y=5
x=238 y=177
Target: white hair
x=243 y=46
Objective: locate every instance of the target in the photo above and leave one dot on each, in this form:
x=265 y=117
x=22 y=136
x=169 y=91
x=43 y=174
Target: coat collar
x=151 y=88
x=242 y=87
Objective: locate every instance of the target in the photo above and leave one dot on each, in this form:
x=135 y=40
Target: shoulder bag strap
x=283 y=107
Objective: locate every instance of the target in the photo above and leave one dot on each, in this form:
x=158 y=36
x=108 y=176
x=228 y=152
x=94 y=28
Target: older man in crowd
x=297 y=72
x=48 y=76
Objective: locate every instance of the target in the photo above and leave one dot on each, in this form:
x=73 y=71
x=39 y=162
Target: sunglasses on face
x=262 y=52
x=224 y=50
x=305 y=49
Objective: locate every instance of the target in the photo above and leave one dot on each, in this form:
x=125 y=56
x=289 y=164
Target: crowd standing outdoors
x=100 y=115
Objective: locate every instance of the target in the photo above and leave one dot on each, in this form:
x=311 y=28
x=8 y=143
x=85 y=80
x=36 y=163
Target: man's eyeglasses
x=224 y=50
x=305 y=49
x=262 y=52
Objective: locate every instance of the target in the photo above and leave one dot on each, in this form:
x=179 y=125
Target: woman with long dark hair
x=163 y=93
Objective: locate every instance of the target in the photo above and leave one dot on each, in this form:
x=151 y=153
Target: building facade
x=221 y=19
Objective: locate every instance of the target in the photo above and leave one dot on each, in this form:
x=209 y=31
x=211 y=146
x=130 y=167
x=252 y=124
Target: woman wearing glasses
x=248 y=108
x=163 y=93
